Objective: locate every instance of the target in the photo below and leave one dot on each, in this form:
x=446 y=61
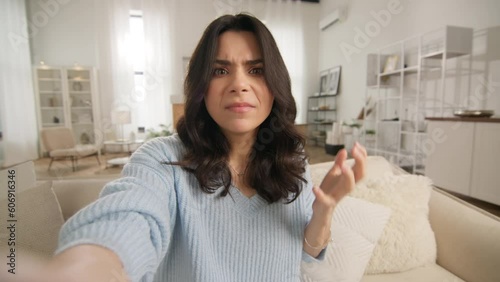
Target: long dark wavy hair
x=277 y=161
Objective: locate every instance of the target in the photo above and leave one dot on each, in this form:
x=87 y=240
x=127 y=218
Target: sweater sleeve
x=308 y=202
x=134 y=215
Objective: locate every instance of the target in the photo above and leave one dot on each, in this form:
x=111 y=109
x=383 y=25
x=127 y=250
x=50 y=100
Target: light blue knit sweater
x=164 y=228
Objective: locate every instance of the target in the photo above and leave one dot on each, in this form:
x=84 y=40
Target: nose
x=239 y=82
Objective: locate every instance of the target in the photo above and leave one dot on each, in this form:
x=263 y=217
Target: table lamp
x=120 y=118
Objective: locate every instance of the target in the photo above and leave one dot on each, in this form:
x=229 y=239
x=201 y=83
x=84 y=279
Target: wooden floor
x=89 y=168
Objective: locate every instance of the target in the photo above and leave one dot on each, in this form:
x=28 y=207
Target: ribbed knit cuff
x=132 y=245
x=308 y=258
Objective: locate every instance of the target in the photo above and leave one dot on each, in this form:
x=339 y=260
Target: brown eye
x=218 y=72
x=257 y=71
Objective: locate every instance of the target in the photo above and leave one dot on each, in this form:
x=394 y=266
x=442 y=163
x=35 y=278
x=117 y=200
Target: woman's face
x=238 y=98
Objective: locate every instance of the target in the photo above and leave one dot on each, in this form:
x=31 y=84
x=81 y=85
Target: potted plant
x=164 y=131
x=349 y=128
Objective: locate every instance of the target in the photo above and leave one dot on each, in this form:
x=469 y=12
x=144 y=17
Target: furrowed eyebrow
x=254 y=62
x=222 y=62
x=249 y=62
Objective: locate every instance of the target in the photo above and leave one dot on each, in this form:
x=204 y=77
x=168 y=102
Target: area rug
x=86 y=169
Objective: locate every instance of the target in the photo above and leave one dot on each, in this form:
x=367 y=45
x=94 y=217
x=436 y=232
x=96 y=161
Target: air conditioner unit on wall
x=337 y=15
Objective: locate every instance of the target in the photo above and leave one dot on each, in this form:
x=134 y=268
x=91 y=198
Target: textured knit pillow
x=408 y=240
x=356 y=227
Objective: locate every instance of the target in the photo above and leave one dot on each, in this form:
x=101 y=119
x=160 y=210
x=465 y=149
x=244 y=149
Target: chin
x=241 y=128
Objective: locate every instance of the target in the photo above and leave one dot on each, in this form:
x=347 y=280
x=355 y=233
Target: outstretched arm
x=126 y=232
x=81 y=263
x=338 y=182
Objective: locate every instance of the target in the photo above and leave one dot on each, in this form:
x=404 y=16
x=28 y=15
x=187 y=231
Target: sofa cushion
x=356 y=227
x=428 y=273
x=408 y=240
x=75 y=194
x=38 y=219
x=467 y=238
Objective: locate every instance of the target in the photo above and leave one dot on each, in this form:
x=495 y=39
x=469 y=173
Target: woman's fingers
x=345 y=184
x=340 y=185
x=341 y=178
x=359 y=154
x=332 y=176
x=340 y=158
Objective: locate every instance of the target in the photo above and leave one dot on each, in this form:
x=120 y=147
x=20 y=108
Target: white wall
x=70 y=34
x=416 y=17
x=311 y=45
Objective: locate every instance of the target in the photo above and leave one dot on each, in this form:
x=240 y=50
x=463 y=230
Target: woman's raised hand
x=340 y=180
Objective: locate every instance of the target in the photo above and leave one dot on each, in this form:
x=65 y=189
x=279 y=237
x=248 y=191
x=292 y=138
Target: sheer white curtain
x=116 y=73
x=284 y=20
x=17 y=99
x=160 y=63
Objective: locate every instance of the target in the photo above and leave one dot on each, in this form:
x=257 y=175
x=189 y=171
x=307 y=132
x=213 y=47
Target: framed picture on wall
x=333 y=80
x=323 y=83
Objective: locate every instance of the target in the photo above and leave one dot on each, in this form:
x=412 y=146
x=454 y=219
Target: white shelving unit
x=49 y=97
x=68 y=96
x=407 y=79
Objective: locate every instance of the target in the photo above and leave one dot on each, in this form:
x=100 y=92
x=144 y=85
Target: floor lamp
x=120 y=118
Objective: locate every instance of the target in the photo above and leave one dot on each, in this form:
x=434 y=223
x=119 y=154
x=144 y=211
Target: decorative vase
x=77 y=86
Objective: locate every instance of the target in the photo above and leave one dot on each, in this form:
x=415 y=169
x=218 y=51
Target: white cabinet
x=463 y=157
x=407 y=80
x=83 y=104
x=50 y=99
x=68 y=96
x=449 y=160
x=486 y=174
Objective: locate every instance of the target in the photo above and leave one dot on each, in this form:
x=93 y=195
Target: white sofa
x=468 y=239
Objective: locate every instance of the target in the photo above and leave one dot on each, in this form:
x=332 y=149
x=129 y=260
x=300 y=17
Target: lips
x=240 y=107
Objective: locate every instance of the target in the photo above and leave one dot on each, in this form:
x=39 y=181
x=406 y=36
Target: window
x=137 y=51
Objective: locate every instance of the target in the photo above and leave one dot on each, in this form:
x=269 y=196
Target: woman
x=229 y=198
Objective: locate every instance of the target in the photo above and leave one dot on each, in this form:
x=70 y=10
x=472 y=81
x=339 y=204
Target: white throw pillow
x=408 y=240
x=356 y=227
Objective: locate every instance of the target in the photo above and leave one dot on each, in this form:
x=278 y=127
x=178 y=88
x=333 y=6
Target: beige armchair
x=60 y=143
